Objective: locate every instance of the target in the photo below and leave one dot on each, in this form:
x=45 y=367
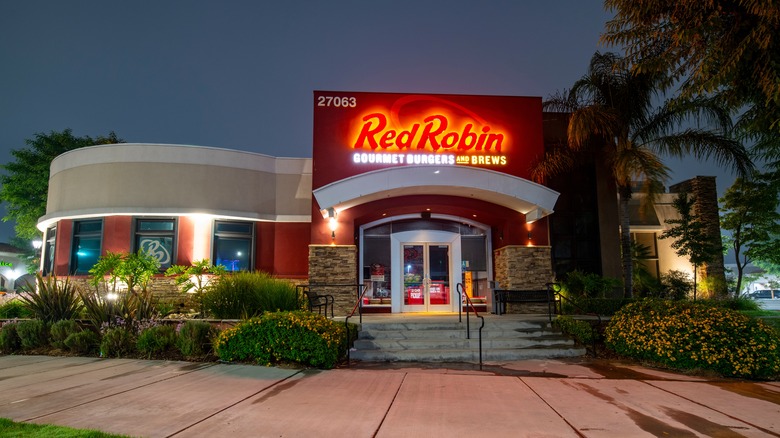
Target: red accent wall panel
x=117 y=234
x=185 y=241
x=282 y=248
x=62 y=247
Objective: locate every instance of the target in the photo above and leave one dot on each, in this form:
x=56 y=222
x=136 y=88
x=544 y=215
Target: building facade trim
x=509 y=191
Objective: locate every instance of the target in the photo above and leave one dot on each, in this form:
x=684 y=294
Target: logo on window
x=157 y=250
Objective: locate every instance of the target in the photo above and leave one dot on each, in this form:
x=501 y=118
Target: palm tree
x=613 y=116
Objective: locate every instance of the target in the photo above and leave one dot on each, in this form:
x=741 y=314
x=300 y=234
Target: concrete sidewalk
x=530 y=398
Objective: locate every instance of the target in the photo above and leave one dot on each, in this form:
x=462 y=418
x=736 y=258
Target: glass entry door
x=426 y=277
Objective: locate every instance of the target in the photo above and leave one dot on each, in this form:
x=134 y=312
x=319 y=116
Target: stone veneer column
x=335 y=264
x=523 y=267
x=705 y=192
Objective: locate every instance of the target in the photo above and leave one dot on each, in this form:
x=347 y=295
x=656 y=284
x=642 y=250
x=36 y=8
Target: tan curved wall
x=172 y=179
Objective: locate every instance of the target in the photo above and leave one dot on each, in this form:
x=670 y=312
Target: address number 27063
x=337 y=101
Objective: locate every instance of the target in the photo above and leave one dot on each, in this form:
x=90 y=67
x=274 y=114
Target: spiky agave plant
x=52 y=300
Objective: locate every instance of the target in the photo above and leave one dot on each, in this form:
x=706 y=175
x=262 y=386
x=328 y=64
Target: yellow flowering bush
x=302 y=337
x=687 y=335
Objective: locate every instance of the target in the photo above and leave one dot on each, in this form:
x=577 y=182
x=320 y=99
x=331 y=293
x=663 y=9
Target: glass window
x=158 y=238
x=85 y=251
x=47 y=254
x=233 y=243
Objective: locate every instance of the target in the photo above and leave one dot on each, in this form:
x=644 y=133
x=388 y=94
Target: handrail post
x=460 y=301
x=470 y=305
x=351 y=314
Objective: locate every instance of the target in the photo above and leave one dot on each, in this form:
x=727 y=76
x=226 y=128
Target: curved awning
x=527 y=197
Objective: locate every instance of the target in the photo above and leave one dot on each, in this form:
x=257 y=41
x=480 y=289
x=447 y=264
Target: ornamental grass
x=686 y=335
x=300 y=337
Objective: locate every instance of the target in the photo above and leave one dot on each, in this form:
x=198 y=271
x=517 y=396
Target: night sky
x=240 y=74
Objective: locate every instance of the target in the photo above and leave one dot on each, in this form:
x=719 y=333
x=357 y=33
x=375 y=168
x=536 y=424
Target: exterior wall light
x=332 y=223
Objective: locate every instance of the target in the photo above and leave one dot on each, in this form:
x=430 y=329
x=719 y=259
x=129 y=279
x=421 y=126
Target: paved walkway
x=529 y=398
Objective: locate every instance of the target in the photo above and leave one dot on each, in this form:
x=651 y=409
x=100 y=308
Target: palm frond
x=705 y=145
x=592 y=121
x=552 y=163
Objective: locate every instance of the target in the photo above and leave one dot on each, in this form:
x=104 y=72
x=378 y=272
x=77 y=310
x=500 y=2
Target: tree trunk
x=625 y=241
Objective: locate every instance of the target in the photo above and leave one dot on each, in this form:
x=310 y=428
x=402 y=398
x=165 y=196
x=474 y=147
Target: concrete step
x=455 y=325
x=444 y=339
x=450 y=334
x=459 y=355
x=467 y=344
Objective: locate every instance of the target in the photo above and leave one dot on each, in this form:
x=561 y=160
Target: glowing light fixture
x=332 y=223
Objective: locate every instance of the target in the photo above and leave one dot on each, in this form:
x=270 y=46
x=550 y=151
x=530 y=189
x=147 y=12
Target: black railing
x=470 y=305
x=359 y=307
x=594 y=331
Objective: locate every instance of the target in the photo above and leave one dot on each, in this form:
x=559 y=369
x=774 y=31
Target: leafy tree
x=690 y=235
x=25 y=184
x=613 y=118
x=727 y=48
x=749 y=211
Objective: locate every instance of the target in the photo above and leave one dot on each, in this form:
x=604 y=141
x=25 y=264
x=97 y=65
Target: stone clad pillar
x=523 y=268
x=335 y=264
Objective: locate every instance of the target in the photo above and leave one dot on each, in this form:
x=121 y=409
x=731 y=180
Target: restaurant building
x=407 y=194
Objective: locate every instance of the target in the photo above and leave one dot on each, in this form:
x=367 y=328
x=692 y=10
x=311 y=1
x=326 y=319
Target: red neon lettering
x=367 y=134
x=429 y=135
x=434 y=135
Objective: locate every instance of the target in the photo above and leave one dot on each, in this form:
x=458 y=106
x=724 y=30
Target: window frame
x=49 y=250
x=173 y=234
x=75 y=235
x=251 y=236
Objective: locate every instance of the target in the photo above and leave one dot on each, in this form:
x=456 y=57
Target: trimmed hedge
x=9 y=338
x=301 y=337
x=689 y=335
x=581 y=330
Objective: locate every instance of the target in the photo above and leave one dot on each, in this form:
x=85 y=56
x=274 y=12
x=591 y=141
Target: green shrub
x=117 y=342
x=194 y=338
x=246 y=294
x=164 y=308
x=677 y=285
x=9 y=338
x=15 y=309
x=691 y=335
x=83 y=342
x=279 y=296
x=53 y=300
x=301 y=337
x=772 y=322
x=60 y=331
x=581 y=330
x=156 y=340
x=33 y=333
x=599 y=306
x=584 y=284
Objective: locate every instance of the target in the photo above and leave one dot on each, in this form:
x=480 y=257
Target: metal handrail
x=469 y=304
x=358 y=305
x=551 y=287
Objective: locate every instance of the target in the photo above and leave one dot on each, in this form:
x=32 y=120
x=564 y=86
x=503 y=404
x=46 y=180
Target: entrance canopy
x=533 y=200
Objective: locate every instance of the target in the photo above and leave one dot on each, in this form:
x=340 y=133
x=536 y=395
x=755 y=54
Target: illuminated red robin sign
x=360 y=132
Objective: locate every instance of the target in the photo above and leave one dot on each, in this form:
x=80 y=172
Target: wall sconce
x=332 y=222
